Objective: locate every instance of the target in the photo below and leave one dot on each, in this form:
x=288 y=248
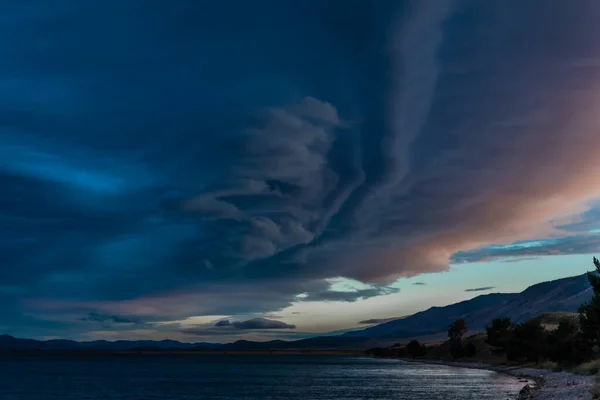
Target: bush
x=588 y=368
x=456 y=349
x=416 y=349
x=381 y=352
x=549 y=365
x=470 y=350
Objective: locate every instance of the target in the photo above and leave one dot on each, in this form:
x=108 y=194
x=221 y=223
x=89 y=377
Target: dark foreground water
x=228 y=377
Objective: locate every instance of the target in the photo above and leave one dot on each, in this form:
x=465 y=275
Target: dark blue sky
x=167 y=160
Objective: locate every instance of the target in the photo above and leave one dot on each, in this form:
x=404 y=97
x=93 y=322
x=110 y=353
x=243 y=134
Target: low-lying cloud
x=480 y=289
x=262 y=323
x=350 y=296
x=378 y=320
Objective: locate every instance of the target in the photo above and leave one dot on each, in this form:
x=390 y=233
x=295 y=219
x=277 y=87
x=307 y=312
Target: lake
x=240 y=377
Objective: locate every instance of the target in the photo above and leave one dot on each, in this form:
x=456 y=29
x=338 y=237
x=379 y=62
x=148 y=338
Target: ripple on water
x=228 y=377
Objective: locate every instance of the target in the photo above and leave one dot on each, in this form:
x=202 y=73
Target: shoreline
x=549 y=385
x=345 y=353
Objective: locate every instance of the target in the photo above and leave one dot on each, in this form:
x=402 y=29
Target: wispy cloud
x=378 y=320
x=480 y=289
x=519 y=259
x=117 y=319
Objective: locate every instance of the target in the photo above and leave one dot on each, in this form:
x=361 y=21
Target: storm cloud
x=177 y=166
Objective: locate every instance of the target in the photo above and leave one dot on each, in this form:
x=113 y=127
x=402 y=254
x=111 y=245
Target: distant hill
x=550 y=320
x=11 y=343
x=319 y=342
x=546 y=300
x=562 y=295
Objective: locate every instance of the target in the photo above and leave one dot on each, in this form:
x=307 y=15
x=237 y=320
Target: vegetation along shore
x=559 y=352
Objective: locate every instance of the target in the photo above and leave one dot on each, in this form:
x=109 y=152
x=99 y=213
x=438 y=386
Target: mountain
x=562 y=295
x=319 y=342
x=11 y=343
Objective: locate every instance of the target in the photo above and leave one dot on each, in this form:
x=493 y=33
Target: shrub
x=588 y=368
x=456 y=349
x=549 y=365
x=416 y=349
x=470 y=350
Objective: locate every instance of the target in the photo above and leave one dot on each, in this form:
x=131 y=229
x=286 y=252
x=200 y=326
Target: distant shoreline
x=185 y=352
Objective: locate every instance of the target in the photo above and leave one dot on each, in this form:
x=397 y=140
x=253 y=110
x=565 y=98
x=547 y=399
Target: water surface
x=246 y=377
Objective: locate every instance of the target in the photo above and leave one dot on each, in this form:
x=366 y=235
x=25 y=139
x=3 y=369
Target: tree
x=589 y=312
x=498 y=334
x=470 y=350
x=457 y=330
x=456 y=349
x=416 y=349
x=527 y=342
x=566 y=345
x=380 y=352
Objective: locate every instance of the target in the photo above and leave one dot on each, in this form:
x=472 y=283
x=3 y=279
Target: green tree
x=589 y=312
x=528 y=341
x=498 y=334
x=456 y=349
x=566 y=345
x=456 y=331
x=416 y=349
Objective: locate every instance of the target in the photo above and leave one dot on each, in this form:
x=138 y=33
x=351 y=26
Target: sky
x=213 y=171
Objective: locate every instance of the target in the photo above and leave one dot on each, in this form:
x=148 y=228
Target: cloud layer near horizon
x=480 y=289
x=177 y=166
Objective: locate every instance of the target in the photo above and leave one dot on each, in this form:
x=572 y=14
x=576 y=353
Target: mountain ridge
x=561 y=295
